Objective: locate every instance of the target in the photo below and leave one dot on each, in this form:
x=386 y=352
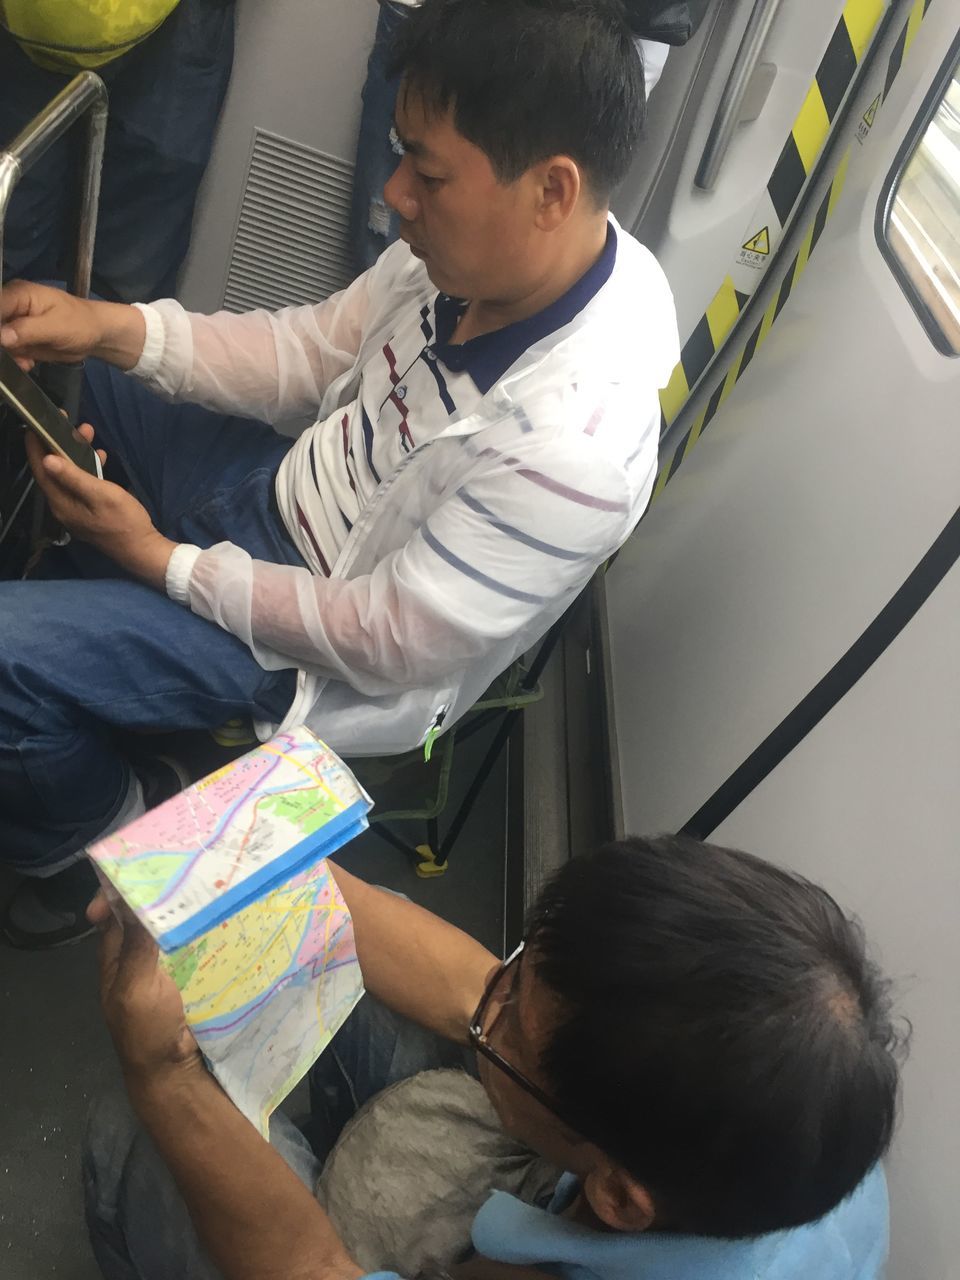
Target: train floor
x=55 y=1055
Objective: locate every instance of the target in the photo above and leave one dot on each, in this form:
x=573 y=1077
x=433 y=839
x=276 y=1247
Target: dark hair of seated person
x=723 y=1037
x=530 y=79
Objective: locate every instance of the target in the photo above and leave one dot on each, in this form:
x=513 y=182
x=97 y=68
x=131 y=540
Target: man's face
x=518 y=1021
x=474 y=233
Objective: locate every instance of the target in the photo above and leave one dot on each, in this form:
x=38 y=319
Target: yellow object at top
x=68 y=35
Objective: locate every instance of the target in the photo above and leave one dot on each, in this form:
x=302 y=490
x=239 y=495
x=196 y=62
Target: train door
x=741 y=128
x=737 y=127
x=783 y=627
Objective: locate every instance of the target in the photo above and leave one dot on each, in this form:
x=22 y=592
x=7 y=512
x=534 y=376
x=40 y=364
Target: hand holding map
x=230 y=878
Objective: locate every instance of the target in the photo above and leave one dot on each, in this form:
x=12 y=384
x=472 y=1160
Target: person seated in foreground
x=485 y=435
x=687 y=1072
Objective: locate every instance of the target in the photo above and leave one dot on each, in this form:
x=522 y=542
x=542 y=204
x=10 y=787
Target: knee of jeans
x=109 y=1134
x=376 y=1047
x=291 y=1143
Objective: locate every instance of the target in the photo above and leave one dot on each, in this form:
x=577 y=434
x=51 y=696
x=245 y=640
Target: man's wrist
x=156 y=1081
x=147 y=558
x=159 y=1091
x=122 y=332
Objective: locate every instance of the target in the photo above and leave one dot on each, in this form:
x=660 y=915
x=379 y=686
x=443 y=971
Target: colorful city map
x=266 y=990
x=224 y=842
x=230 y=878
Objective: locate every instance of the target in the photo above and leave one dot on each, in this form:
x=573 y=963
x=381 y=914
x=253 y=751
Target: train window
x=920 y=228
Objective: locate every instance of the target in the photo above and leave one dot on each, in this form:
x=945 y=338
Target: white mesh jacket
x=463 y=556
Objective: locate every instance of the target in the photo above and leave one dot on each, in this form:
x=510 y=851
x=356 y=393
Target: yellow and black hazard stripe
x=700 y=348
x=849 y=42
x=758 y=336
x=741 y=360
x=904 y=40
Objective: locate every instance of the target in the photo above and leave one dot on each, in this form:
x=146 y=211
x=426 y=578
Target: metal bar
x=9 y=177
x=85 y=95
x=83 y=99
x=27 y=489
x=433 y=835
x=731 y=100
x=384 y=832
x=500 y=739
x=91 y=165
x=480 y=777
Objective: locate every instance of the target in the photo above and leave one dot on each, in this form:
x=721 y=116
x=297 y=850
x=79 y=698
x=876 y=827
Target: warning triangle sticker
x=760 y=243
x=870 y=114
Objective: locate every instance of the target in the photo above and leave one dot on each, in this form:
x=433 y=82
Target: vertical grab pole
x=91 y=167
x=83 y=99
x=84 y=96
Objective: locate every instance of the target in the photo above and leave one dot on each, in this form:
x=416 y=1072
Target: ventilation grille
x=292 y=243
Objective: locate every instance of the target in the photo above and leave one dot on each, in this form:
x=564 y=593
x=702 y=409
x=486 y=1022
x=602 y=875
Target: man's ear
x=559 y=186
x=617 y=1199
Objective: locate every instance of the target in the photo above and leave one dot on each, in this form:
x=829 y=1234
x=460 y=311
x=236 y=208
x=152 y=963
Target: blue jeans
x=372 y=225
x=165 y=98
x=139 y=1226
x=82 y=659
x=374 y=1049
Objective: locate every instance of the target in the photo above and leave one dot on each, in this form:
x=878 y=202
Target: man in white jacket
x=486 y=435
x=373 y=225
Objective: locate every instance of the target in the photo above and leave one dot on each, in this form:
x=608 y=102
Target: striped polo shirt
x=409 y=392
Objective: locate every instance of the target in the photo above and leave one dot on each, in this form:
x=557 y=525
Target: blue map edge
x=332 y=836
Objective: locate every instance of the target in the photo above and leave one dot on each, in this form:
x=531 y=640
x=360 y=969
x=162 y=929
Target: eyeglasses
x=479 y=1034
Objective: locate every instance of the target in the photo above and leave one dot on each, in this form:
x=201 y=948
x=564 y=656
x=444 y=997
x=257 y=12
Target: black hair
x=722 y=1034
x=529 y=79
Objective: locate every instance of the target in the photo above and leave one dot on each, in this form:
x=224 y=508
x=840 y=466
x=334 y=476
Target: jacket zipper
x=433 y=731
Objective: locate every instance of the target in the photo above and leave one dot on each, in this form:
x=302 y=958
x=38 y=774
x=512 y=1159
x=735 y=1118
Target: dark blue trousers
x=85 y=651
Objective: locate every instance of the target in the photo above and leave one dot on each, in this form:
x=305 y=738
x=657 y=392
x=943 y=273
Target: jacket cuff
x=179 y=569
x=152 y=353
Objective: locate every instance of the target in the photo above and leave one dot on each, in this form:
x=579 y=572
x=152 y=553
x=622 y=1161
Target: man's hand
x=101 y=513
x=38 y=322
x=251 y=1211
x=141 y=1004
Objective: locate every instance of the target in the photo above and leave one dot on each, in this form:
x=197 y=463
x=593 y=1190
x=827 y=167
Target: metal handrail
x=85 y=97
x=731 y=100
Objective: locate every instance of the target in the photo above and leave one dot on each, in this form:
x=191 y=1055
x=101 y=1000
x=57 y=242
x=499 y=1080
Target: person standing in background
x=166 y=66
x=374 y=226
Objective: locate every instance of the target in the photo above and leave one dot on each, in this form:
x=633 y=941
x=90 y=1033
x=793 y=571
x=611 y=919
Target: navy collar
x=488 y=357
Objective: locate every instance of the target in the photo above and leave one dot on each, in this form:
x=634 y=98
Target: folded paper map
x=230 y=878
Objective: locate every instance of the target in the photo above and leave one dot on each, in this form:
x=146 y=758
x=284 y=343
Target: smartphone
x=38 y=413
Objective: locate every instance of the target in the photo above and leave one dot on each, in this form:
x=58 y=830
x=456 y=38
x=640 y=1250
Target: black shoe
x=50 y=912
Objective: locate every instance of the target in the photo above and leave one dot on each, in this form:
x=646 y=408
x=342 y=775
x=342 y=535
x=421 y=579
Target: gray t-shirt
x=413 y=1168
